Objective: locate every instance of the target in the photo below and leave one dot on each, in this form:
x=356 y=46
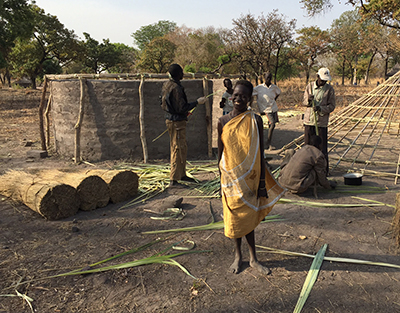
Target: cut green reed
x=326 y=258
x=374 y=201
x=326 y=205
x=157 y=258
x=310 y=279
x=210 y=226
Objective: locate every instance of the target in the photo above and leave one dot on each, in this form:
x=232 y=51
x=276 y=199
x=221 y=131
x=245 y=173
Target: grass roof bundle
x=123 y=184
x=53 y=200
x=93 y=191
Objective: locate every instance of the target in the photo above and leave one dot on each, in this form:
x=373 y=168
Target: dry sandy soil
x=32 y=248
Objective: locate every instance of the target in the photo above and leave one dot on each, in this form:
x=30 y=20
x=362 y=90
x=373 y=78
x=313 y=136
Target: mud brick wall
x=110 y=127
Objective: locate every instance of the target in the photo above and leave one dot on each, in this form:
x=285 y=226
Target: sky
x=116 y=20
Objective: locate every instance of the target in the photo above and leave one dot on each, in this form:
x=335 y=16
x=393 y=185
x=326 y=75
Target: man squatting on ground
x=248 y=191
x=226 y=99
x=305 y=168
x=266 y=95
x=176 y=106
x=319 y=97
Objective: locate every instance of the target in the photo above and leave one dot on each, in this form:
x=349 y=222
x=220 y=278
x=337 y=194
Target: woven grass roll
x=123 y=184
x=93 y=191
x=50 y=199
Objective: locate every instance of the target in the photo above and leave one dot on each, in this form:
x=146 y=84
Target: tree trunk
x=369 y=68
x=33 y=79
x=343 y=68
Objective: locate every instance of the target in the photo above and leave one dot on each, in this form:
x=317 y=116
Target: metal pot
x=353 y=179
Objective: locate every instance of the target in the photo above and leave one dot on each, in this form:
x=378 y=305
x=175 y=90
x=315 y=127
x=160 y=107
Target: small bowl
x=353 y=179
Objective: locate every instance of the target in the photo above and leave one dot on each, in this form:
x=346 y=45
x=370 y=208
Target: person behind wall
x=319 y=97
x=226 y=100
x=305 y=168
x=176 y=106
x=266 y=95
x=248 y=190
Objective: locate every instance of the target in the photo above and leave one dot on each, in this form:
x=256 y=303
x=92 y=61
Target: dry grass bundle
x=52 y=200
x=396 y=221
x=93 y=191
x=123 y=184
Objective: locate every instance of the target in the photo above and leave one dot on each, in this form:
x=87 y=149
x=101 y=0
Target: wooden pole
x=141 y=121
x=208 y=117
x=46 y=114
x=78 y=124
x=41 y=121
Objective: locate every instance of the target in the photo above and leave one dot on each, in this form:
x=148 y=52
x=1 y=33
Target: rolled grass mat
x=52 y=200
x=123 y=184
x=93 y=191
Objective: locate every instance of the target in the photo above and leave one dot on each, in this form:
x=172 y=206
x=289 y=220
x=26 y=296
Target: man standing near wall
x=176 y=106
x=319 y=98
x=266 y=95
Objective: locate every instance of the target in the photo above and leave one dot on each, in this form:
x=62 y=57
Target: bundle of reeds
x=93 y=191
x=53 y=200
x=396 y=221
x=123 y=184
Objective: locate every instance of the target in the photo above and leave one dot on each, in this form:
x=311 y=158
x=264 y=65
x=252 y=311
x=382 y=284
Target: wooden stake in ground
x=123 y=184
x=41 y=120
x=141 y=121
x=208 y=117
x=93 y=191
x=78 y=124
x=50 y=199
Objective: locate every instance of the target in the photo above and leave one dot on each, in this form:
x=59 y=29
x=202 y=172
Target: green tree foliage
x=16 y=21
x=106 y=56
x=311 y=43
x=200 y=50
x=346 y=42
x=148 y=33
x=50 y=41
x=157 y=55
x=386 y=12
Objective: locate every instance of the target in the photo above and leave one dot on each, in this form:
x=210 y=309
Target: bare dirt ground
x=33 y=248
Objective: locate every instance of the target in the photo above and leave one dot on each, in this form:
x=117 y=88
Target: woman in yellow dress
x=248 y=190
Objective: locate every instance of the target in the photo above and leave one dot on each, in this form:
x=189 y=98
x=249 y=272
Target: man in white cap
x=319 y=98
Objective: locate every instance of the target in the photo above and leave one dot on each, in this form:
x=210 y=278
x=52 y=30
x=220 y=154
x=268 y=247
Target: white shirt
x=228 y=102
x=266 y=97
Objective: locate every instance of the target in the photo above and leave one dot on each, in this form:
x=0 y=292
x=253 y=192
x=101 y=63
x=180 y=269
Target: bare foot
x=262 y=269
x=235 y=267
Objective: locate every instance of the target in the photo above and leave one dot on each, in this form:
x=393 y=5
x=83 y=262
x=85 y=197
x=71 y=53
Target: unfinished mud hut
x=108 y=117
x=364 y=136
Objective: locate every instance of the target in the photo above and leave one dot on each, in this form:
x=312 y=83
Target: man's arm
x=181 y=106
x=308 y=96
x=330 y=103
x=262 y=191
x=320 y=169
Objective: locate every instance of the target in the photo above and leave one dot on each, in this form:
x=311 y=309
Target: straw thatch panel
x=93 y=191
x=52 y=200
x=123 y=184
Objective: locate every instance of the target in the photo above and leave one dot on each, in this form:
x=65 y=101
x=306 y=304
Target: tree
x=147 y=33
x=106 y=56
x=200 y=50
x=50 y=41
x=258 y=41
x=157 y=55
x=16 y=21
x=386 y=12
x=346 y=43
x=310 y=43
x=281 y=35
